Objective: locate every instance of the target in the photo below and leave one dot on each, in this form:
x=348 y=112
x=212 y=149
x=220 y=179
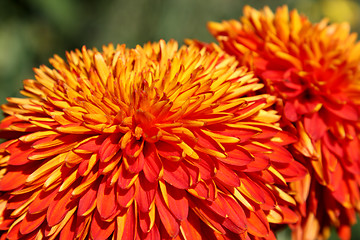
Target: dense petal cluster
x=314 y=70
x=154 y=142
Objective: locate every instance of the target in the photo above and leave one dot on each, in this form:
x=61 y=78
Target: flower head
x=152 y=142
x=314 y=69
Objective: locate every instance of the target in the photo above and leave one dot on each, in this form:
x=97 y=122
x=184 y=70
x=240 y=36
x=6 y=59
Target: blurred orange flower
x=154 y=142
x=314 y=70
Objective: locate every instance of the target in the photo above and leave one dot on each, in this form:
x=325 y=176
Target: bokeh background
x=32 y=31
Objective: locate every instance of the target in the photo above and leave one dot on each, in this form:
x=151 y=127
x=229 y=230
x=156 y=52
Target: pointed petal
x=190 y=227
x=147 y=220
x=126 y=179
x=43 y=200
x=315 y=126
x=237 y=157
x=125 y=197
x=257 y=223
x=167 y=219
x=152 y=234
x=19 y=153
x=226 y=176
x=109 y=147
x=101 y=229
x=176 y=174
x=31 y=222
x=152 y=166
x=68 y=232
x=126 y=224
x=16 y=176
x=236 y=221
x=105 y=200
x=145 y=194
x=87 y=201
x=58 y=208
x=169 y=151
x=178 y=203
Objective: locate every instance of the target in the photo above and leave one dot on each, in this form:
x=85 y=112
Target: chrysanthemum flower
x=154 y=142
x=314 y=69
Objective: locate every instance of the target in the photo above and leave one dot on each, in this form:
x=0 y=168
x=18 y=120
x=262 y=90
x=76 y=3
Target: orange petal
x=125 y=196
x=236 y=220
x=58 y=208
x=135 y=164
x=16 y=201
x=145 y=194
x=91 y=144
x=345 y=111
x=146 y=220
x=109 y=147
x=106 y=200
x=126 y=179
x=100 y=229
x=152 y=166
x=168 y=151
x=226 y=176
x=288 y=215
x=190 y=227
x=204 y=190
x=152 y=234
x=87 y=202
x=68 y=232
x=237 y=157
x=43 y=200
x=167 y=219
x=208 y=216
x=14 y=232
x=250 y=189
x=16 y=176
x=31 y=222
x=315 y=126
x=176 y=174
x=126 y=224
x=19 y=153
x=257 y=223
x=82 y=226
x=206 y=166
x=178 y=203
x=206 y=142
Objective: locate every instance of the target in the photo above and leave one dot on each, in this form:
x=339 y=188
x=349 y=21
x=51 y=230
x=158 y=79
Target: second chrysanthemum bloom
x=153 y=142
x=314 y=70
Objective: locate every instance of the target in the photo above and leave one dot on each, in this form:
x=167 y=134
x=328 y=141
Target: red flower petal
x=109 y=147
x=257 y=224
x=190 y=227
x=152 y=165
x=226 y=176
x=100 y=229
x=87 y=201
x=106 y=199
x=43 y=200
x=176 y=174
x=126 y=224
x=31 y=222
x=59 y=207
x=125 y=196
x=178 y=203
x=145 y=194
x=168 y=220
x=19 y=153
x=68 y=232
x=315 y=126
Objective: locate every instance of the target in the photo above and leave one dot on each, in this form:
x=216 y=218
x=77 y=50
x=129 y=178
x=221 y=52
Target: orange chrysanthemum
x=314 y=69
x=148 y=143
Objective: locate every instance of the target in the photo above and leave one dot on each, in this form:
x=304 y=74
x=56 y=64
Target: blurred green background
x=31 y=31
